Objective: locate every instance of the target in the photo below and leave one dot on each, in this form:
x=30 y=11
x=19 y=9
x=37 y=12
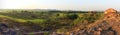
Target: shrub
x=72 y=16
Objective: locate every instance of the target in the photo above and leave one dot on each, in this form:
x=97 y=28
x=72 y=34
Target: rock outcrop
x=110 y=25
x=110 y=13
x=5 y=30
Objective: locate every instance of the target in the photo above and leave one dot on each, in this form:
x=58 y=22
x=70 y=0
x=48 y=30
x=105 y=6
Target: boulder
x=110 y=13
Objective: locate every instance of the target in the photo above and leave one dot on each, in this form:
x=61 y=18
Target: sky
x=88 y=5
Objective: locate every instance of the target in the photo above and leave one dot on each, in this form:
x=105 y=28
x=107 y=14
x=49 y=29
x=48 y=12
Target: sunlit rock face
x=110 y=13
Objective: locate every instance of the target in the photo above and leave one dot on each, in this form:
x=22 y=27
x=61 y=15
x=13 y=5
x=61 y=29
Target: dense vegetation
x=51 y=20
